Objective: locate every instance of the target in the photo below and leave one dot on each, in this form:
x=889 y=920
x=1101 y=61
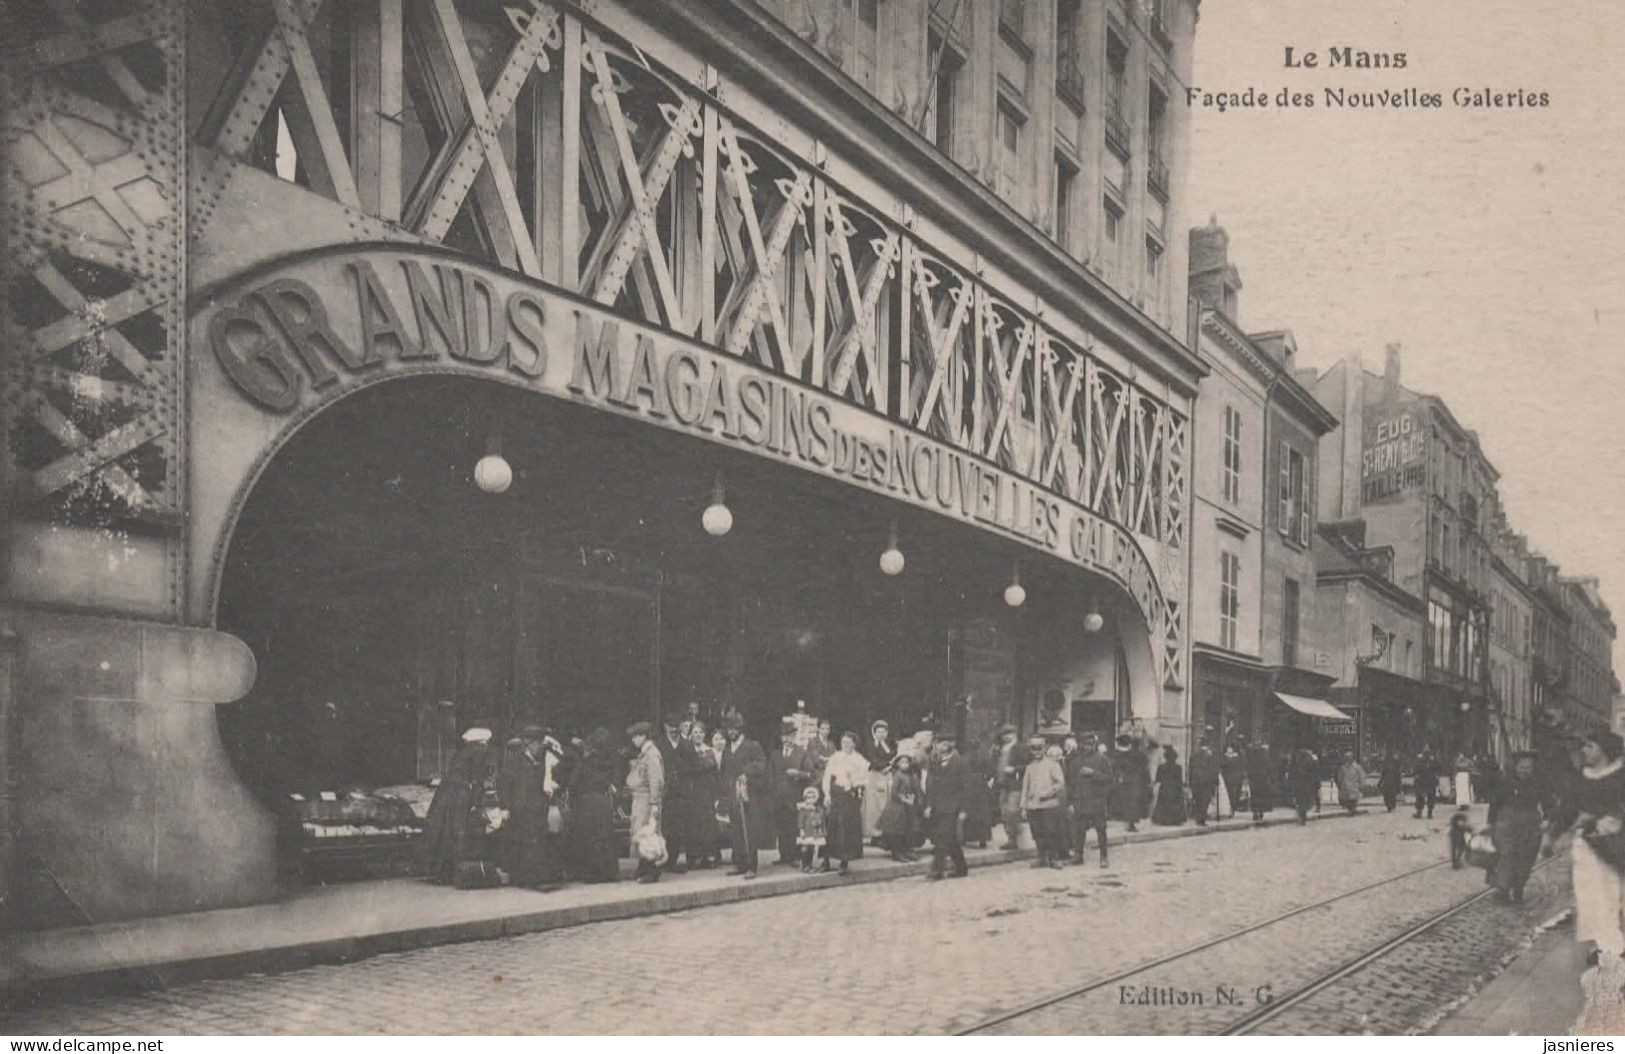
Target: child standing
x=812 y=827
x=900 y=829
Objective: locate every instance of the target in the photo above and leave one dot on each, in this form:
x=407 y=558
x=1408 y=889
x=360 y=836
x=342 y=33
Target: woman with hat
x=647 y=782
x=591 y=830
x=454 y=830
x=880 y=751
x=979 y=797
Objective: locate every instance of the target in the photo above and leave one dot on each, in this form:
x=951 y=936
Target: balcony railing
x=1156 y=176
x=1116 y=125
x=1069 y=79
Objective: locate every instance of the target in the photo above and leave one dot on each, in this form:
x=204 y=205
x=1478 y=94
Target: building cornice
x=1228 y=335
x=755 y=48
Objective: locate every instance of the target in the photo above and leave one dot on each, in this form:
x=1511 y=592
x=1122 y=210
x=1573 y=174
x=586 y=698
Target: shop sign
x=1391 y=458
x=324 y=323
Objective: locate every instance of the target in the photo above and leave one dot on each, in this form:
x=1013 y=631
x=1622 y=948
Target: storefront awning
x=1313 y=707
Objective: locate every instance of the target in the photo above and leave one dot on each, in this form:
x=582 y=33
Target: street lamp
x=1093 y=622
x=1014 y=594
x=717 y=519
x=492 y=473
x=891 y=561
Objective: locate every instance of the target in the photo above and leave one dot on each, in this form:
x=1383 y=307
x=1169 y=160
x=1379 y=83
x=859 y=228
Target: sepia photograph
x=811 y=518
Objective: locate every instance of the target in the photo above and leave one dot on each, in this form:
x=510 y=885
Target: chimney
x=1213 y=281
x=1390 y=368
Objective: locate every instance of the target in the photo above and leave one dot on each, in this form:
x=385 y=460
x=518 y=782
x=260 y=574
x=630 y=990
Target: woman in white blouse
x=846 y=774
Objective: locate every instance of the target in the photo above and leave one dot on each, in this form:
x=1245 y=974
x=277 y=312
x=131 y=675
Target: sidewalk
x=353 y=921
x=1537 y=995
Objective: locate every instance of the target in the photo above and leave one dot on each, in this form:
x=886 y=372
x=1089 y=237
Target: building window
x=1232 y=455
x=1066 y=178
x=1289 y=623
x=1229 y=599
x=1153 y=259
x=1293 y=512
x=1446 y=550
x=944 y=92
x=1012 y=17
x=1069 y=52
x=1156 y=168
x=1117 y=127
x=1114 y=222
x=1011 y=169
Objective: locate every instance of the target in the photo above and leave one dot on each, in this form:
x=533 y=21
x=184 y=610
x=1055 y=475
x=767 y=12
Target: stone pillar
x=127 y=797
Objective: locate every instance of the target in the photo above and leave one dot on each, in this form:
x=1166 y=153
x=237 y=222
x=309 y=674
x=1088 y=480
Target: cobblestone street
x=914 y=957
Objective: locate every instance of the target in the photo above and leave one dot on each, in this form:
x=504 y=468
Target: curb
x=17 y=991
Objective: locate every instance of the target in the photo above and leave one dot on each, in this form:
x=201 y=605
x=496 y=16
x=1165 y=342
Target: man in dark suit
x=792 y=773
x=1203 y=776
x=1425 y=774
x=948 y=787
x=682 y=767
x=1089 y=784
x=746 y=784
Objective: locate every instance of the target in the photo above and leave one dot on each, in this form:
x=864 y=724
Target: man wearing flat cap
x=746 y=785
x=647 y=782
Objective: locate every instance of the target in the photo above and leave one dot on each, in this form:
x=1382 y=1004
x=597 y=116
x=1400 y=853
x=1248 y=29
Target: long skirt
x=875 y=797
x=1517 y=844
x=1597 y=900
x=1170 y=809
x=1464 y=789
x=845 y=824
x=979 y=814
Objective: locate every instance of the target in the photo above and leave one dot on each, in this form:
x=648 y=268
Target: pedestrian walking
x=746 y=783
x=454 y=830
x=947 y=788
x=880 y=751
x=679 y=813
x=846 y=778
x=1204 y=779
x=1303 y=781
x=1008 y=765
x=1593 y=806
x=1043 y=789
x=1169 y=807
x=1516 y=819
x=705 y=837
x=1425 y=776
x=981 y=801
x=1233 y=769
x=1260 y=780
x=590 y=830
x=1350 y=784
x=647 y=782
x=1089 y=786
x=1392 y=781
x=1133 y=782
x=812 y=828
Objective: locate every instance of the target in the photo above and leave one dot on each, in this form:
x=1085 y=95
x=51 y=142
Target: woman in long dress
x=901 y=830
x=707 y=833
x=880 y=751
x=1593 y=804
x=592 y=810
x=1515 y=822
x=454 y=830
x=1169 y=810
x=846 y=781
x=979 y=797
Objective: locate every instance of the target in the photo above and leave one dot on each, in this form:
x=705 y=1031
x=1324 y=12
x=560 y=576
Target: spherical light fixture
x=1093 y=622
x=1014 y=594
x=492 y=473
x=717 y=519
x=891 y=561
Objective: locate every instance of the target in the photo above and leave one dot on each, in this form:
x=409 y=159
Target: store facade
x=387 y=364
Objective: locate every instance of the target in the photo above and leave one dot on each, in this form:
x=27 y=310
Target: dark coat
x=591 y=831
x=1133 y=785
x=685 y=791
x=746 y=758
x=526 y=838
x=792 y=773
x=1170 y=810
x=1426 y=770
x=454 y=829
x=1089 y=783
x=1393 y=776
x=1204 y=768
x=948 y=787
x=1260 y=777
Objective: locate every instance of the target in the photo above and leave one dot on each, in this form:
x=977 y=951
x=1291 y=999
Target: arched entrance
x=391 y=603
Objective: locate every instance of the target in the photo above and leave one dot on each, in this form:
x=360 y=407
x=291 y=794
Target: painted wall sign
x=299 y=335
x=1392 y=456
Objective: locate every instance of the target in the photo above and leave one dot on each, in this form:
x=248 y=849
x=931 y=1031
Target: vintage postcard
x=811 y=517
